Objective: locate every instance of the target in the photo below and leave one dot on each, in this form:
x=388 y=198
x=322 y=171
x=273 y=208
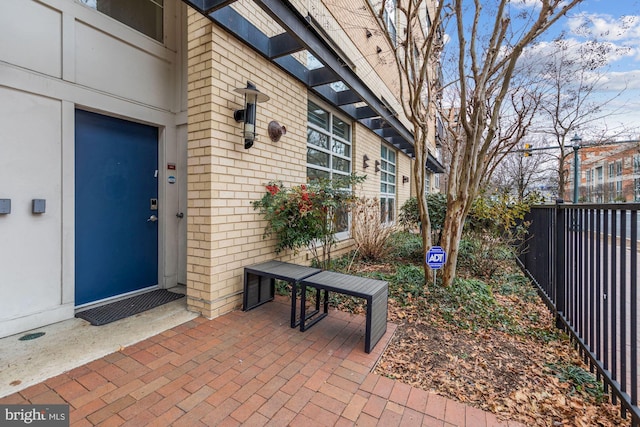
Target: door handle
x=152 y=218
x=179 y=215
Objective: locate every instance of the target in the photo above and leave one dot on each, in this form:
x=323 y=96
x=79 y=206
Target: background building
x=608 y=173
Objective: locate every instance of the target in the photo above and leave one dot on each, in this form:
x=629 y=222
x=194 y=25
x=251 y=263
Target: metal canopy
x=357 y=101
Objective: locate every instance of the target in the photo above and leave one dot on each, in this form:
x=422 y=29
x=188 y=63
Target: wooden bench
x=375 y=292
x=258 y=291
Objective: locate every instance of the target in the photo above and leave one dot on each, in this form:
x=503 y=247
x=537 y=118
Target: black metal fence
x=584 y=261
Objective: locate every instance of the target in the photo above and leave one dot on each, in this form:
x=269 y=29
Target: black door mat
x=104 y=314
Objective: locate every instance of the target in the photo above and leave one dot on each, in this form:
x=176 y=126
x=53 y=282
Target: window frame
x=329 y=132
x=388 y=212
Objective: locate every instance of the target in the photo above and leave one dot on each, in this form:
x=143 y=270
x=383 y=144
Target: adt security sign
x=436 y=257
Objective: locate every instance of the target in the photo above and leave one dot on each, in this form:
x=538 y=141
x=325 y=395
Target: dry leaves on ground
x=511 y=375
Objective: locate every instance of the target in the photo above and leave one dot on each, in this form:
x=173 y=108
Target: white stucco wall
x=55 y=56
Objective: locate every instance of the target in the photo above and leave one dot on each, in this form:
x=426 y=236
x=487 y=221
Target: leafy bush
x=409 y=216
x=305 y=216
x=368 y=231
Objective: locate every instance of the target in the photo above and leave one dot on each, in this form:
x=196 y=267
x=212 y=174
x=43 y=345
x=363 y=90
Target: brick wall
x=224 y=233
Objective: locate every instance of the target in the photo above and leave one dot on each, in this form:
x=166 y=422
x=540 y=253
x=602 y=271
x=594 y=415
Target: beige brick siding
x=224 y=233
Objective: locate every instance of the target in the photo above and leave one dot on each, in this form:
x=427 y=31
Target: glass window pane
x=341 y=148
x=383 y=152
x=383 y=176
x=318 y=116
x=391 y=210
x=145 y=16
x=314 y=174
x=317 y=158
x=341 y=220
x=341 y=129
x=317 y=138
x=391 y=189
x=392 y=156
x=342 y=165
x=383 y=188
x=392 y=169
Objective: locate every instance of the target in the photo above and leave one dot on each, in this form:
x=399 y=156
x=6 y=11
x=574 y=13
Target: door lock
x=179 y=215
x=152 y=218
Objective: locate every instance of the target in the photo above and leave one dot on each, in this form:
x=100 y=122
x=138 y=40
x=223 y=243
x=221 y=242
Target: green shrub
x=407 y=283
x=470 y=304
x=405 y=246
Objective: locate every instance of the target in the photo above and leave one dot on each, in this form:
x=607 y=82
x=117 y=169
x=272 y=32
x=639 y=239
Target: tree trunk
x=451 y=235
x=423 y=210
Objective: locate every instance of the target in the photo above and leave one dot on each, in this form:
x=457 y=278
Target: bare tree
x=486 y=45
x=523 y=173
x=572 y=75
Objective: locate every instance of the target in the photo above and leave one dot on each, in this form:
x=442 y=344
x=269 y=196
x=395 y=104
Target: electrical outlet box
x=5 y=206
x=39 y=206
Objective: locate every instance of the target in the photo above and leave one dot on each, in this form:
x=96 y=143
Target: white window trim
x=387 y=195
x=343 y=235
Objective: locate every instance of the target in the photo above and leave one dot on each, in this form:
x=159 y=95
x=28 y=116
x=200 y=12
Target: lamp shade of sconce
x=378 y=49
x=248 y=115
x=377 y=164
x=365 y=161
x=276 y=131
x=368 y=33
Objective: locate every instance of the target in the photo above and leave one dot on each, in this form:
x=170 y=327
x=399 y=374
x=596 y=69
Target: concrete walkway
x=248 y=369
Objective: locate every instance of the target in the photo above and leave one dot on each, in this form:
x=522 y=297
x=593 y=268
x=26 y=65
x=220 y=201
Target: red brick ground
x=249 y=368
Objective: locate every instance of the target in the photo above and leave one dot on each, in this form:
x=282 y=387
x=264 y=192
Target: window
x=142 y=15
x=611 y=169
x=618 y=190
x=636 y=163
x=389 y=18
x=636 y=187
x=599 y=173
x=619 y=168
x=611 y=193
x=328 y=150
x=387 y=184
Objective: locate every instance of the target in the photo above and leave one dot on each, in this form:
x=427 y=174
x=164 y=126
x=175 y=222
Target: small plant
x=582 y=382
x=368 y=231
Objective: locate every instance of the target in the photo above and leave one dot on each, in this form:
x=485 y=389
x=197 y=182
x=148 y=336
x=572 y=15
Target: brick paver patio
x=249 y=369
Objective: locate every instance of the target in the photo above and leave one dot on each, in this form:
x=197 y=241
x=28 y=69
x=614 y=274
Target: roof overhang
x=357 y=100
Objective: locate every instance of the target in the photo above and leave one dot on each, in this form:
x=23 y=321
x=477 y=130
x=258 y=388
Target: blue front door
x=116 y=190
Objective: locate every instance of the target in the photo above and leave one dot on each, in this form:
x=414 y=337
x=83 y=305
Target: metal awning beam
x=322 y=76
x=291 y=20
x=283 y=45
x=298 y=36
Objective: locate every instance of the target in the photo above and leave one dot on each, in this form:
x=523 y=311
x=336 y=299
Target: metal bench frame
x=272 y=270
x=375 y=292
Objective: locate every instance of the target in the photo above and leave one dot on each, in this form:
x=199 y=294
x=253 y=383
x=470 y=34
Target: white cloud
x=606 y=27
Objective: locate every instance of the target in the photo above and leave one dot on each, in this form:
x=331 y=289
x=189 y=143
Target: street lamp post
x=576 y=140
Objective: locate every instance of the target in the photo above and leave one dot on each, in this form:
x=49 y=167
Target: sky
x=616 y=22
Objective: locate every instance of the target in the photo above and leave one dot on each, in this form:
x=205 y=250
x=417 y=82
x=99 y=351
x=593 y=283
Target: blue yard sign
x=436 y=257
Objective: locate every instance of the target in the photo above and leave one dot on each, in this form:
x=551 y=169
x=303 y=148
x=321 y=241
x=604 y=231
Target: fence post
x=558 y=261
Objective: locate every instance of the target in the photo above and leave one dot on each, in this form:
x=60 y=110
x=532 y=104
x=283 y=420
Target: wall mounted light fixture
x=365 y=161
x=248 y=115
x=405 y=179
x=377 y=164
